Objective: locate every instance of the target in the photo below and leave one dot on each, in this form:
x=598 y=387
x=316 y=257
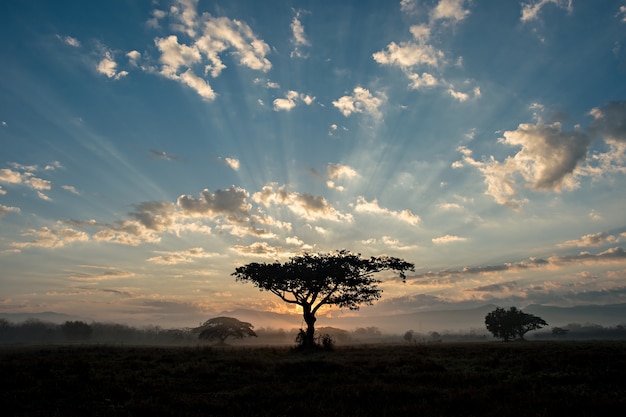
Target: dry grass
x=482 y=379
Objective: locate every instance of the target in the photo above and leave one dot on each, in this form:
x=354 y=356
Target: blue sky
x=149 y=148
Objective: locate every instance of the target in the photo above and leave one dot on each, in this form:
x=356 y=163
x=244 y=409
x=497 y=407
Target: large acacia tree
x=311 y=281
x=511 y=323
x=220 y=328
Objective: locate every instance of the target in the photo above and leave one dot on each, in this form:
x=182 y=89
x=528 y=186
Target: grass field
x=479 y=379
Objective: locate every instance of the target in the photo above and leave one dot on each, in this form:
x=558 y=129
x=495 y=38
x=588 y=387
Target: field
x=472 y=379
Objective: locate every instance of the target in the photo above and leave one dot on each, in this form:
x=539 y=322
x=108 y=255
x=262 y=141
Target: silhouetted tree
x=221 y=328
x=311 y=281
x=511 y=323
x=76 y=330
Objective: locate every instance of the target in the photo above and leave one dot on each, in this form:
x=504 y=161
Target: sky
x=151 y=147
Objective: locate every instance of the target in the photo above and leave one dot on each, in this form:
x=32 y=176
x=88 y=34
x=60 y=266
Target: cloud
x=55 y=237
x=258 y=248
x=594 y=239
x=610 y=122
x=622 y=13
x=9 y=176
x=337 y=172
x=298 y=38
x=531 y=9
x=68 y=40
x=182 y=256
x=449 y=206
x=102 y=273
x=4 y=210
x=444 y=240
x=210 y=37
x=231 y=203
x=304 y=205
x=361 y=101
x=372 y=207
x=449 y=9
x=233 y=163
x=291 y=100
x=134 y=57
x=70 y=188
x=108 y=67
x=612 y=255
x=547 y=161
x=154 y=215
x=407 y=55
x=163 y=155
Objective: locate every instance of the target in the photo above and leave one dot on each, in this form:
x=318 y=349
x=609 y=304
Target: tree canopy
x=512 y=323
x=339 y=278
x=221 y=328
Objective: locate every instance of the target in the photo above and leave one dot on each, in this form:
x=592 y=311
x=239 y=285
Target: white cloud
x=71 y=189
x=622 y=13
x=531 y=9
x=4 y=210
x=291 y=100
x=409 y=54
x=134 y=57
x=449 y=9
x=55 y=237
x=210 y=37
x=39 y=184
x=298 y=39
x=372 y=207
x=361 y=101
x=449 y=206
x=182 y=256
x=305 y=205
x=108 y=67
x=198 y=84
x=548 y=161
x=233 y=163
x=71 y=41
x=594 y=239
x=424 y=80
x=448 y=239
x=258 y=248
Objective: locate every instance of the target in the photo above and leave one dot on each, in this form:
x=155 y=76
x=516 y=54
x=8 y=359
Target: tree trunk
x=309 y=319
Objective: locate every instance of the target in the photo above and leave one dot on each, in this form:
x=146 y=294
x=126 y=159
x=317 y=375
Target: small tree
x=221 y=328
x=311 y=281
x=511 y=323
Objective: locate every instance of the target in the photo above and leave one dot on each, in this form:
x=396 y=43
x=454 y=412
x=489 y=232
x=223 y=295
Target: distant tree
x=408 y=336
x=512 y=323
x=559 y=331
x=311 y=281
x=221 y=328
x=76 y=330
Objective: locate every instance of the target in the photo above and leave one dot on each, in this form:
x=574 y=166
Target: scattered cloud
x=616 y=254
x=182 y=256
x=231 y=203
x=450 y=10
x=372 y=207
x=595 y=239
x=55 y=237
x=531 y=9
x=298 y=39
x=232 y=162
x=108 y=67
x=210 y=38
x=443 y=240
x=337 y=172
x=163 y=155
x=70 y=188
x=291 y=100
x=4 y=210
x=305 y=205
x=68 y=40
x=361 y=101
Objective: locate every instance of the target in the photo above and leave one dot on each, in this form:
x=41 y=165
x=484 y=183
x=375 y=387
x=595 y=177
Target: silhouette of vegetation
x=76 y=330
x=221 y=328
x=512 y=323
x=311 y=281
x=545 y=378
